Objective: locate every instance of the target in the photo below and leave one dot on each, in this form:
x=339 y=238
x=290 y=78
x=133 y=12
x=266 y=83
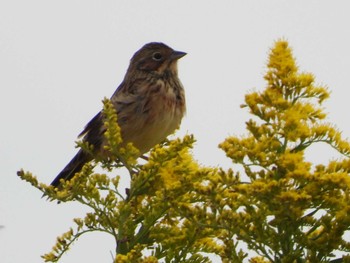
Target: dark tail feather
x=74 y=166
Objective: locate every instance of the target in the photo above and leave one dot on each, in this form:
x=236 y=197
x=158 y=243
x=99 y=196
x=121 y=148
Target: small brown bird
x=150 y=104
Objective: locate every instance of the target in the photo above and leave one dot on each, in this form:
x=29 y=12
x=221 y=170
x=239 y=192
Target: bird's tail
x=74 y=166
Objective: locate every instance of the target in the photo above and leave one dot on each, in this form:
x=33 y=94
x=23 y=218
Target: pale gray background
x=58 y=59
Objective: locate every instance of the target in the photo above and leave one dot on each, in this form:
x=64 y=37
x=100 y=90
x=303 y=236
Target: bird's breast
x=160 y=114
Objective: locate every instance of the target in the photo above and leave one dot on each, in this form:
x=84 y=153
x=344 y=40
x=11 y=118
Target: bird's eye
x=157 y=56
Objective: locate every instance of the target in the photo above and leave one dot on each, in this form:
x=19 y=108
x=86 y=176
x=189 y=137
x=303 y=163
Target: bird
x=150 y=104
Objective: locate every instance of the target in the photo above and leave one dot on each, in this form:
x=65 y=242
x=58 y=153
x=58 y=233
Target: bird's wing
x=129 y=101
x=93 y=131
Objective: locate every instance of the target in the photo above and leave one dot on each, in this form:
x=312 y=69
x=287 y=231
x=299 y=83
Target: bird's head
x=156 y=58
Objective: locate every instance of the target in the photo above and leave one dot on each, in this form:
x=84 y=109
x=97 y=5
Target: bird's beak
x=177 y=54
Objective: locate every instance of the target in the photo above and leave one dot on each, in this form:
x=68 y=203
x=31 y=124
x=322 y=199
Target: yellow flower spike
x=282 y=189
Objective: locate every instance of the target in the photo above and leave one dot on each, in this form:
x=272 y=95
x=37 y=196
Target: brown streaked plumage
x=150 y=103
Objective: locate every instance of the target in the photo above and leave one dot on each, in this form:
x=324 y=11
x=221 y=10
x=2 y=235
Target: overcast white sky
x=58 y=59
